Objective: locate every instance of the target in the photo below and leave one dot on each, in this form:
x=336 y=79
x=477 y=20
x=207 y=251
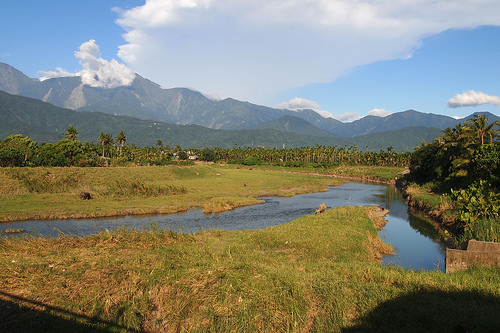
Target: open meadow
x=49 y=193
x=319 y=273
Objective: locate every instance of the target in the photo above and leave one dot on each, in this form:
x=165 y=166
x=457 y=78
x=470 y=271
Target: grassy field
x=319 y=273
x=48 y=193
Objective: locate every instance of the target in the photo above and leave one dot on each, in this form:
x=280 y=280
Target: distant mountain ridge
x=44 y=122
x=142 y=99
x=146 y=100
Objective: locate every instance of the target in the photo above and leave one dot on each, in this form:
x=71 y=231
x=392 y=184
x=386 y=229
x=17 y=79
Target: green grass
x=374 y=172
x=320 y=273
x=48 y=193
x=431 y=203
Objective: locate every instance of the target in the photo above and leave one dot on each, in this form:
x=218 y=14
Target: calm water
x=416 y=243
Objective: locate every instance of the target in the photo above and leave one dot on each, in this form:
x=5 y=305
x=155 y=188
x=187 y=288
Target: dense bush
x=16 y=150
x=464 y=165
x=476 y=202
x=11 y=157
x=208 y=154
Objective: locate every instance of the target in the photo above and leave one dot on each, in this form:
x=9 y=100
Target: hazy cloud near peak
x=256 y=49
x=472 y=98
x=348 y=117
x=379 y=112
x=96 y=71
x=59 y=72
x=298 y=103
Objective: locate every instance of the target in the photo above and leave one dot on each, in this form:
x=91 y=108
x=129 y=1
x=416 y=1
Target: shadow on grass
x=434 y=311
x=19 y=314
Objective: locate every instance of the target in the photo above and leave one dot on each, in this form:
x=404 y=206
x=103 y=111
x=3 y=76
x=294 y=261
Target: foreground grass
x=317 y=273
x=49 y=193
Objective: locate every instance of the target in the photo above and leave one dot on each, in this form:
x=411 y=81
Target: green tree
x=71 y=133
x=183 y=155
x=121 y=139
x=105 y=139
x=479 y=127
x=16 y=150
x=208 y=154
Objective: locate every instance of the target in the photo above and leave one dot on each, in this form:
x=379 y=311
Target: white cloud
x=96 y=71
x=472 y=98
x=99 y=72
x=298 y=103
x=52 y=74
x=255 y=49
x=379 y=112
x=348 y=116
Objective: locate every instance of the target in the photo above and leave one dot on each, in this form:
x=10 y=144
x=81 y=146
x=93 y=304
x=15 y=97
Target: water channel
x=416 y=242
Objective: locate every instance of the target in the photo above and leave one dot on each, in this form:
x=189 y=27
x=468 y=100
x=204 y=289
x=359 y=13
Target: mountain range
x=157 y=110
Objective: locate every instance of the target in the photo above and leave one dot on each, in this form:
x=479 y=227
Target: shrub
x=251 y=161
x=487 y=229
x=10 y=157
x=476 y=202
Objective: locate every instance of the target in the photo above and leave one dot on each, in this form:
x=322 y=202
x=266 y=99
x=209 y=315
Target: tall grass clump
x=42 y=180
x=136 y=188
x=486 y=229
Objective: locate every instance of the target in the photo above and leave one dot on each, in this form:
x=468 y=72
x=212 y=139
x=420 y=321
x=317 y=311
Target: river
x=417 y=244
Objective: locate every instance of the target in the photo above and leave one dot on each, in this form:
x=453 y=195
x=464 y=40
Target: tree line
x=464 y=166
x=18 y=150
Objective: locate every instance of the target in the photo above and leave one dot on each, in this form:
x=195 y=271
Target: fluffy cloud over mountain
x=379 y=112
x=473 y=98
x=96 y=71
x=298 y=103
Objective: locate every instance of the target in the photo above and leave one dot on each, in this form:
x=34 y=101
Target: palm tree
x=480 y=128
x=105 y=139
x=71 y=133
x=121 y=140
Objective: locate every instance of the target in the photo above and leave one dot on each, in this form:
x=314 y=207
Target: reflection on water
x=416 y=243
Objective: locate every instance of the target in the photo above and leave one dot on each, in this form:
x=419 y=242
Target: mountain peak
x=147 y=100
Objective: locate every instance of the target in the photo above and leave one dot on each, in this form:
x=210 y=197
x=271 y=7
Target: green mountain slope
x=295 y=125
x=147 y=100
x=44 y=122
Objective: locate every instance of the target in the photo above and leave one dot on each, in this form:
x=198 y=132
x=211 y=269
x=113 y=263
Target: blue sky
x=345 y=58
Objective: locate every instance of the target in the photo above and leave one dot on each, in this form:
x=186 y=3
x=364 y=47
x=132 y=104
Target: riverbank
x=371 y=174
x=317 y=273
x=434 y=207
